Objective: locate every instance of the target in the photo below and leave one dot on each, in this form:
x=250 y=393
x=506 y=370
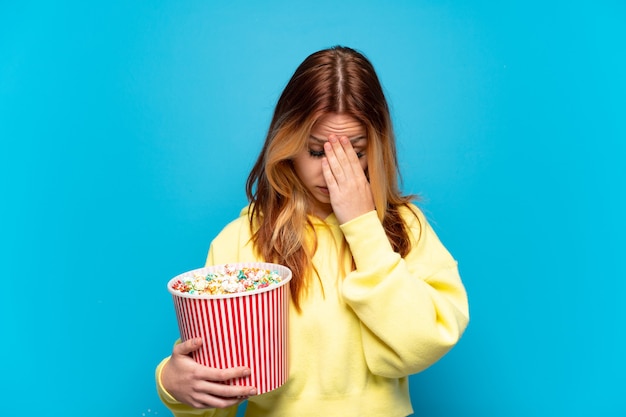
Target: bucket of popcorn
x=240 y=310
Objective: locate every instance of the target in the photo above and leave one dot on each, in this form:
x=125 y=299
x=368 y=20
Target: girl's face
x=308 y=163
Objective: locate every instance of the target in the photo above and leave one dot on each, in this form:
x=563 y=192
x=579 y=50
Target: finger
x=206 y=397
x=331 y=182
x=347 y=157
x=223 y=375
x=227 y=391
x=219 y=395
x=205 y=400
x=207 y=375
x=185 y=348
x=334 y=151
x=340 y=150
x=349 y=151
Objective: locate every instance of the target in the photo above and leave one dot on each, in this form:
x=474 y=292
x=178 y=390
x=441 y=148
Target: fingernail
x=246 y=372
x=253 y=391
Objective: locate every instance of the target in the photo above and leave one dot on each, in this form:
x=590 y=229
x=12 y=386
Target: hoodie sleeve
x=412 y=310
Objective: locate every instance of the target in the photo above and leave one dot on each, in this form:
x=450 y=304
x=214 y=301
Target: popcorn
x=229 y=281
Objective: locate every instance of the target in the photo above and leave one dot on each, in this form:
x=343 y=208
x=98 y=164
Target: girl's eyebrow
x=352 y=140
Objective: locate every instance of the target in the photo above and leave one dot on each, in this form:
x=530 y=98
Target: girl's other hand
x=350 y=192
x=200 y=386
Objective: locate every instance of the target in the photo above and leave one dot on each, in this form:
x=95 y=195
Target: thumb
x=188 y=346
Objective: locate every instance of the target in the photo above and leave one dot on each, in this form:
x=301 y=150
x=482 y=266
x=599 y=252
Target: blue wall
x=127 y=130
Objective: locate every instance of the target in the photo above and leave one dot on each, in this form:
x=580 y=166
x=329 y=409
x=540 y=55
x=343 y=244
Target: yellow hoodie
x=357 y=338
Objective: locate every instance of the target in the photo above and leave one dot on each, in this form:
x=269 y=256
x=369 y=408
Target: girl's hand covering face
x=349 y=189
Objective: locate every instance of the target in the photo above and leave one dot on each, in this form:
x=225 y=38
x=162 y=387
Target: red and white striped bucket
x=239 y=329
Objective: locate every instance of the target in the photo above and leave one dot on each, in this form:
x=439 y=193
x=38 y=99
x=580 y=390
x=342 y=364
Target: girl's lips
x=324 y=190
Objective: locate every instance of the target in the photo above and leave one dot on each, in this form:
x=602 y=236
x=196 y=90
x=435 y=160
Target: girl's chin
x=321 y=207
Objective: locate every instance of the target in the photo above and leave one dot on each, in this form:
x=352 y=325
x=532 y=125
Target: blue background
x=127 y=130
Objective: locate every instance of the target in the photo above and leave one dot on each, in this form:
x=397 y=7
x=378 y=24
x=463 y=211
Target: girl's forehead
x=338 y=124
